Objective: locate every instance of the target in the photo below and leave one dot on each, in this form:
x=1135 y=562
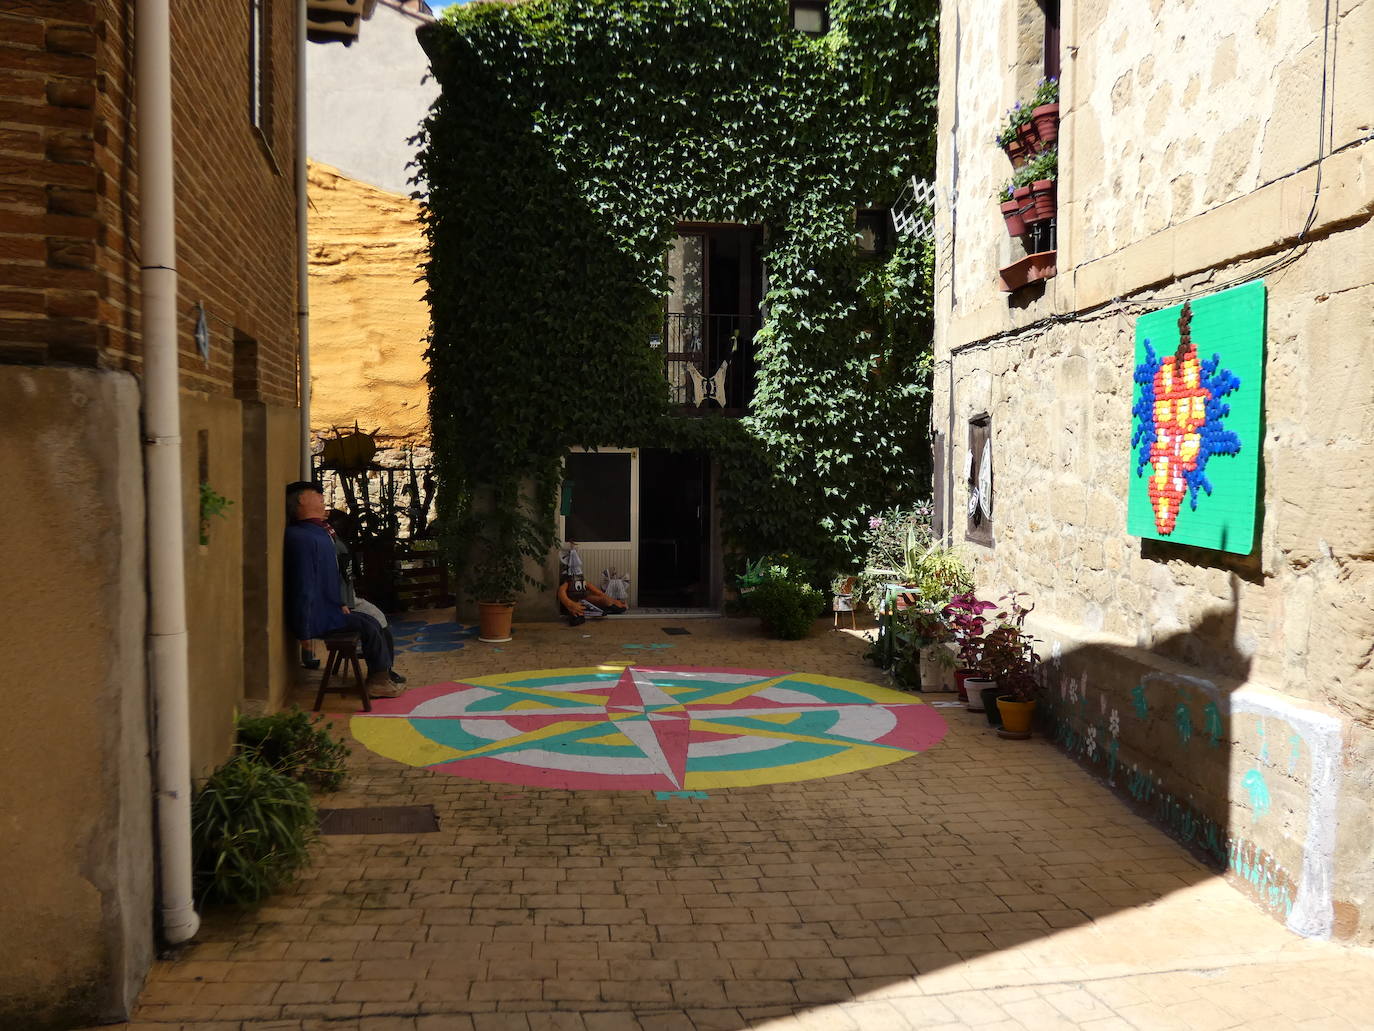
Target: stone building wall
x=1230 y=697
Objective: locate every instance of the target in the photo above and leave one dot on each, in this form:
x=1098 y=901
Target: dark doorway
x=674 y=525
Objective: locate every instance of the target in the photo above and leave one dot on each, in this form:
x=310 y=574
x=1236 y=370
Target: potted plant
x=496 y=580
x=1045 y=111
x=1012 y=210
x=1017 y=136
x=1041 y=176
x=1009 y=655
x=967 y=624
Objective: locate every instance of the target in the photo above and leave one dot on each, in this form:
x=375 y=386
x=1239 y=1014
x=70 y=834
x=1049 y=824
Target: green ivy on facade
x=569 y=139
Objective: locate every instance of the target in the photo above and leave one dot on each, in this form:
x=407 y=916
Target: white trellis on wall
x=913 y=213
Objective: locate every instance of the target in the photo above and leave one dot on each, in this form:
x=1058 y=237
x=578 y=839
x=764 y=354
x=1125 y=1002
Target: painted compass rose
x=649 y=729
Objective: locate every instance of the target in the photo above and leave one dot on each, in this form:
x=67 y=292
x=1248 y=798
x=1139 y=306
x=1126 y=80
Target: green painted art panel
x=1197 y=421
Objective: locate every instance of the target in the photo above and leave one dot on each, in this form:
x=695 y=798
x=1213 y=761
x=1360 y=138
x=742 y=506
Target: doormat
x=676 y=630
x=385 y=819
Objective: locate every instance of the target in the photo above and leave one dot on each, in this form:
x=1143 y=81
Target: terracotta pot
x=1043 y=198
x=1028 y=138
x=1030 y=269
x=975 y=686
x=961 y=676
x=493 y=621
x=1016 y=716
x=1045 y=118
x=1015 y=152
x=1011 y=211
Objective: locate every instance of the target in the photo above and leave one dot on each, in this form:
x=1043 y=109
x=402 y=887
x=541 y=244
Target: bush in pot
x=967 y=624
x=494 y=581
x=782 y=596
x=1010 y=659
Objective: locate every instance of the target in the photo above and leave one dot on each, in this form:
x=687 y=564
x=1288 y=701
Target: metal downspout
x=162 y=461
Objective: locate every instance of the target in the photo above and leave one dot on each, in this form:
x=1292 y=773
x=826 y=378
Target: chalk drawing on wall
x=1302 y=898
x=1197 y=397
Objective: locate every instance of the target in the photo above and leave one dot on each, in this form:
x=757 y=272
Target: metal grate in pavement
x=384 y=819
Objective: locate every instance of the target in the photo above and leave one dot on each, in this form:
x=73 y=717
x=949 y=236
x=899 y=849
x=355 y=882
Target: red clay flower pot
x=1045 y=118
x=1011 y=211
x=1029 y=139
x=1043 y=194
x=1016 y=153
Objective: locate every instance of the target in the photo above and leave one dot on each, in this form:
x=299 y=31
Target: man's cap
x=300 y=485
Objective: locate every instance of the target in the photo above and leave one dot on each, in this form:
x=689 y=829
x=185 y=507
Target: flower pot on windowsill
x=1013 y=213
x=1029 y=140
x=1045 y=118
x=1015 y=152
x=1043 y=195
x=1030 y=269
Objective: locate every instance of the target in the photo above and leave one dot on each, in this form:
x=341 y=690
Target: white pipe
x=302 y=243
x=162 y=461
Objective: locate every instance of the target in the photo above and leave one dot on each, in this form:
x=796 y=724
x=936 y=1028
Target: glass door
x=600 y=513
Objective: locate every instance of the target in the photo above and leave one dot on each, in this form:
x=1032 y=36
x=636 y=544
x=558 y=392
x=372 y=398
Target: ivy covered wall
x=569 y=138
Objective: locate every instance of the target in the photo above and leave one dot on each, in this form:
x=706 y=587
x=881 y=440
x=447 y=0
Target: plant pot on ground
x=496 y=580
x=1016 y=716
x=961 y=677
x=990 y=707
x=1009 y=655
x=975 y=686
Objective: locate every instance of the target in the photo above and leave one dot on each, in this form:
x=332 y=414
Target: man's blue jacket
x=313 y=603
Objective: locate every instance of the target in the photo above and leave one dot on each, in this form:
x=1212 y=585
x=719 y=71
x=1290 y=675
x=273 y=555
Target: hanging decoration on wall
x=1195 y=430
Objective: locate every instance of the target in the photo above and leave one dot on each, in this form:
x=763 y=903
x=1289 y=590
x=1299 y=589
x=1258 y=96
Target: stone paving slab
x=983 y=884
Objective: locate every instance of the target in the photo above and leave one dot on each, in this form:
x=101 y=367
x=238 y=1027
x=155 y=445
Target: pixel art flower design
x=1180 y=412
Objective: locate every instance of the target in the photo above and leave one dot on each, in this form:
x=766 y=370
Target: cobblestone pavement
x=985 y=883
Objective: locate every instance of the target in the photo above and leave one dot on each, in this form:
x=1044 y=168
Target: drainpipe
x=162 y=462
x=302 y=249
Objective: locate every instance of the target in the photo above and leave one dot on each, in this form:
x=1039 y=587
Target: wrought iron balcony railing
x=708 y=360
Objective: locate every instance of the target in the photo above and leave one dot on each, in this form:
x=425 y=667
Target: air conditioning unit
x=336 y=21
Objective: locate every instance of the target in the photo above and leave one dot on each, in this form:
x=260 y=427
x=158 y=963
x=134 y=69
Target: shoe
x=614 y=610
x=396 y=678
x=382 y=687
x=576 y=620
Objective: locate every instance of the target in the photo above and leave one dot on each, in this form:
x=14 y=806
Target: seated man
x=314 y=595
x=579 y=599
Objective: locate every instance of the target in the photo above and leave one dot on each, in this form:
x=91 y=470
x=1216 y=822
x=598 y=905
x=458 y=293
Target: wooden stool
x=344 y=646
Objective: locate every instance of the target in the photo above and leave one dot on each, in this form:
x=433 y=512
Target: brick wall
x=68 y=183
x=49 y=232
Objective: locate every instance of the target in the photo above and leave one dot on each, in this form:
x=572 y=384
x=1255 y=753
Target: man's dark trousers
x=376 y=649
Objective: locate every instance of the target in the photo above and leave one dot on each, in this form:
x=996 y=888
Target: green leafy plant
x=251 y=830
x=787 y=608
x=213 y=505
x=1017 y=116
x=1008 y=652
x=570 y=138
x=1046 y=92
x=1044 y=165
x=297 y=745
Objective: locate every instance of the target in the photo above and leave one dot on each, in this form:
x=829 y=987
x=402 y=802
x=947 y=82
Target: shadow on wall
x=1244 y=778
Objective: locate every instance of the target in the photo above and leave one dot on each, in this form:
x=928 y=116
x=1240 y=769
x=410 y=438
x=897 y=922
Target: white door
x=600 y=512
